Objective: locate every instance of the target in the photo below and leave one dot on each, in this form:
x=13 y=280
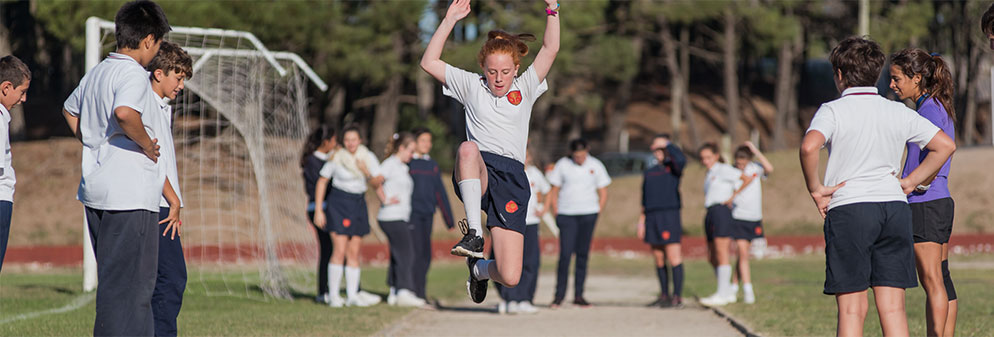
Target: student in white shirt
x=349 y=171
x=394 y=218
x=747 y=213
x=579 y=192
x=121 y=183
x=15 y=78
x=719 y=192
x=868 y=223
x=491 y=163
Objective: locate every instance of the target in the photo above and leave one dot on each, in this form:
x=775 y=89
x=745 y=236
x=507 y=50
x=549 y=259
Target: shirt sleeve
x=824 y=122
x=459 y=84
x=602 y=179
x=328 y=169
x=731 y=173
x=528 y=82
x=556 y=176
x=72 y=104
x=132 y=92
x=540 y=182
x=373 y=165
x=920 y=130
x=4 y=143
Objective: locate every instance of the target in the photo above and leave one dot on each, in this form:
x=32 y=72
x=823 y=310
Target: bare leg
x=352 y=251
x=890 y=307
x=673 y=254
x=508 y=253
x=852 y=313
x=928 y=260
x=338 y=248
x=657 y=253
x=744 y=270
x=469 y=165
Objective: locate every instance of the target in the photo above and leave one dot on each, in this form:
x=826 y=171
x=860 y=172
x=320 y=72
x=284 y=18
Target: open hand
x=823 y=195
x=458 y=10
x=173 y=223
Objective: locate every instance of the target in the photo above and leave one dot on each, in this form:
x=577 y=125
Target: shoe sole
x=460 y=251
x=469 y=290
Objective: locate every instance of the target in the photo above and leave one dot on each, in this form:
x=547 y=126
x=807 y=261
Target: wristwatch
x=922 y=188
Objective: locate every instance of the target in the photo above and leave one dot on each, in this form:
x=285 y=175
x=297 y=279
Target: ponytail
x=940 y=86
x=499 y=41
x=397 y=141
x=314 y=140
x=936 y=78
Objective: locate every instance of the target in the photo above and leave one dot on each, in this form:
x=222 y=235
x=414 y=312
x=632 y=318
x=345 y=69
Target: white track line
x=76 y=303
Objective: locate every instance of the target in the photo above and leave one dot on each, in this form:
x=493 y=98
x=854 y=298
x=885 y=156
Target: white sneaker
x=335 y=301
x=512 y=308
x=406 y=298
x=369 y=297
x=735 y=289
x=749 y=297
x=731 y=297
x=502 y=307
x=525 y=307
x=715 y=300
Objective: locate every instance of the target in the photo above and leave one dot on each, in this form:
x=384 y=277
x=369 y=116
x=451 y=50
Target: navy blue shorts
x=869 y=244
x=347 y=214
x=663 y=227
x=506 y=199
x=718 y=222
x=747 y=230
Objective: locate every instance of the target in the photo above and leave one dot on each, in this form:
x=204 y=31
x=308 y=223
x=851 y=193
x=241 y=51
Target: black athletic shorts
x=506 y=199
x=933 y=220
x=868 y=245
x=718 y=222
x=663 y=227
x=747 y=230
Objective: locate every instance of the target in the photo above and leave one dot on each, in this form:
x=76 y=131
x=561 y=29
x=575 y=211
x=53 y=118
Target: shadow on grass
x=60 y=290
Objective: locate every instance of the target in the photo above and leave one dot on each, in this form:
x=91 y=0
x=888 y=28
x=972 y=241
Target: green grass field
x=789 y=300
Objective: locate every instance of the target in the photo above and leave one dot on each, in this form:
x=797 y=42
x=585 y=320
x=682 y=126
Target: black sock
x=678 y=280
x=950 y=289
x=663 y=280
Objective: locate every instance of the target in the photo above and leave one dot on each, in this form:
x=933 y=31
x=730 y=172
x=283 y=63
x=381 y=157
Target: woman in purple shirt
x=925 y=79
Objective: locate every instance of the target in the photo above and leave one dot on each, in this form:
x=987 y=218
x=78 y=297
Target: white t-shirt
x=748 y=205
x=538 y=185
x=7 y=177
x=578 y=185
x=719 y=183
x=865 y=135
x=498 y=125
x=347 y=180
x=397 y=184
x=167 y=149
x=116 y=175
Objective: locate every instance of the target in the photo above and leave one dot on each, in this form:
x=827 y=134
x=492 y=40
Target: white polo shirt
x=578 y=185
x=398 y=184
x=498 y=125
x=538 y=184
x=719 y=183
x=116 y=175
x=7 y=177
x=167 y=148
x=866 y=135
x=348 y=181
x=749 y=202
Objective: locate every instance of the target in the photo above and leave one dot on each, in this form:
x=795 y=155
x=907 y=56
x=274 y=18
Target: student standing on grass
x=394 y=218
x=490 y=172
x=660 y=225
x=747 y=213
x=429 y=193
x=320 y=144
x=15 y=78
x=719 y=192
x=349 y=170
x=520 y=299
x=868 y=224
x=579 y=192
x=167 y=72
x=925 y=79
x=121 y=186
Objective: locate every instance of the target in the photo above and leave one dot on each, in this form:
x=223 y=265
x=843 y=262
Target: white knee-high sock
x=724 y=279
x=334 y=280
x=471 y=191
x=352 y=282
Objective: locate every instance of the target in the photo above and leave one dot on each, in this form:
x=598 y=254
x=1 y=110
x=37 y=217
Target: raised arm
x=431 y=61
x=550 y=43
x=767 y=166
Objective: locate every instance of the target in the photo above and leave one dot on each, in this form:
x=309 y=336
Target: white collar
x=860 y=91
x=162 y=101
x=322 y=155
x=422 y=156
x=119 y=56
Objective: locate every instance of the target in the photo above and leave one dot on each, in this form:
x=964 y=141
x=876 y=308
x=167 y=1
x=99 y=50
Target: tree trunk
x=781 y=93
x=688 y=109
x=677 y=89
x=388 y=106
x=970 y=116
x=426 y=94
x=731 y=75
x=617 y=112
x=336 y=106
x=17 y=113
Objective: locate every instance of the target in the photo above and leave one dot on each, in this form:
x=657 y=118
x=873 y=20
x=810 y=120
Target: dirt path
x=618 y=311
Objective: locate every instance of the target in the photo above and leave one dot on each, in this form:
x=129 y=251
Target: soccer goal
x=238 y=128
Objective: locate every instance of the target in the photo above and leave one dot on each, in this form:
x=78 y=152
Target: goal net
x=238 y=127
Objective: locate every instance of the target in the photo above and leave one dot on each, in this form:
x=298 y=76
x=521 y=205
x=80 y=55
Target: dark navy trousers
x=525 y=291
x=6 y=208
x=421 y=225
x=170 y=282
x=575 y=235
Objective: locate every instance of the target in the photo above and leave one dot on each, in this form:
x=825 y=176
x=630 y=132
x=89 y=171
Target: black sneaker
x=556 y=303
x=580 y=302
x=471 y=244
x=676 y=302
x=662 y=301
x=477 y=288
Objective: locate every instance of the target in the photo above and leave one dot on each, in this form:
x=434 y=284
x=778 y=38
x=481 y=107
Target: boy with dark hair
x=987 y=24
x=122 y=182
x=168 y=71
x=15 y=78
x=868 y=232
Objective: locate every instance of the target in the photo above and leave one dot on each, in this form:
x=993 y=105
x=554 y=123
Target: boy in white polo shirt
x=868 y=232
x=121 y=181
x=15 y=78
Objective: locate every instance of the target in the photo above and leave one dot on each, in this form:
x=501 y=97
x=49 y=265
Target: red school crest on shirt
x=511 y=206
x=514 y=97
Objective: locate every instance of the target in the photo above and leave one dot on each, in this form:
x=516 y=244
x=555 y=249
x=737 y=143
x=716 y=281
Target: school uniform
x=394 y=219
x=719 y=186
x=578 y=207
x=747 y=209
x=499 y=127
x=868 y=227
x=311 y=172
x=346 y=206
x=429 y=193
x=525 y=291
x=121 y=190
x=7 y=181
x=931 y=211
x=661 y=199
x=167 y=298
